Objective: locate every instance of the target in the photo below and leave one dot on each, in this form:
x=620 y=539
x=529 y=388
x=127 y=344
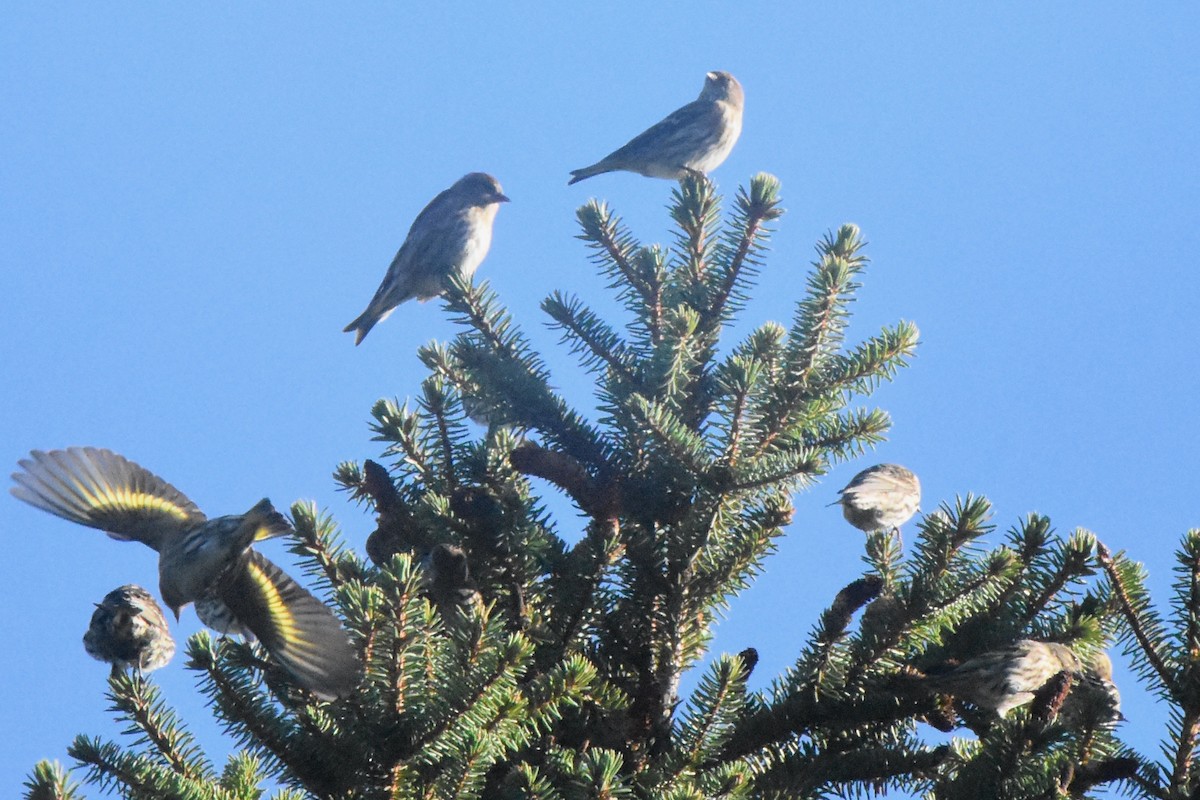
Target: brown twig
x=599 y=501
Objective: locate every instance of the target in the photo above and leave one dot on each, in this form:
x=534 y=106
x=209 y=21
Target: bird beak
x=500 y=198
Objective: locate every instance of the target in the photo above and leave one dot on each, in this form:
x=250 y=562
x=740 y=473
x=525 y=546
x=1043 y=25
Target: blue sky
x=196 y=201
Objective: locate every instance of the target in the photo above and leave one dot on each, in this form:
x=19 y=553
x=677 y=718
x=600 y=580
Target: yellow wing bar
x=104 y=490
x=297 y=629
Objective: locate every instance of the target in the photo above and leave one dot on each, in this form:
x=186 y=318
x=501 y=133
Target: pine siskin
x=451 y=235
x=881 y=497
x=128 y=630
x=693 y=139
x=1094 y=701
x=446 y=576
x=207 y=561
x=1004 y=679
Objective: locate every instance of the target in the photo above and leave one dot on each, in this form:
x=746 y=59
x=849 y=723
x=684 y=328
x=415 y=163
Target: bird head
x=480 y=189
x=722 y=86
x=171 y=598
x=1101 y=665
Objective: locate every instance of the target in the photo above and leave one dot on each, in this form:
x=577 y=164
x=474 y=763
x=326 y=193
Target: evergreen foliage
x=545 y=662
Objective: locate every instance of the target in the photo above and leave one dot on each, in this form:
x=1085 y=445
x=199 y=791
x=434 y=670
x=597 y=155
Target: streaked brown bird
x=1007 y=678
x=1094 y=701
x=882 y=497
x=128 y=631
x=693 y=139
x=450 y=236
x=206 y=561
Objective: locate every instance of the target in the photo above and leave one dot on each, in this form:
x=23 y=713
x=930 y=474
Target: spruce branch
x=806 y=773
x=316 y=541
x=1074 y=559
x=110 y=767
x=577 y=580
x=589 y=335
x=677 y=361
x=496 y=355
x=726 y=564
x=874 y=360
x=737 y=379
x=696 y=209
x=1083 y=778
x=816 y=333
x=402 y=428
x=447 y=434
x=790 y=470
x=485 y=694
x=1187 y=729
x=671 y=433
x=1143 y=626
x=816 y=662
x=250 y=719
x=818 y=327
x=49 y=781
x=637 y=272
x=845 y=436
x=140 y=703
x=712 y=710
x=739 y=256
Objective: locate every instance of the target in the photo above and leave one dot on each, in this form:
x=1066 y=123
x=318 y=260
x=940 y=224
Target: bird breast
x=727 y=135
x=479 y=240
x=190 y=565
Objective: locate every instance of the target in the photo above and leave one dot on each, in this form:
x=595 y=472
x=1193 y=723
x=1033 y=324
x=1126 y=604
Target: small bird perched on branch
x=451 y=235
x=881 y=497
x=1007 y=678
x=1094 y=700
x=693 y=139
x=206 y=561
x=128 y=630
x=446 y=576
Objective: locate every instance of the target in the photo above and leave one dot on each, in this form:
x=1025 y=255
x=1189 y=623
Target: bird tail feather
x=578 y=175
x=265 y=521
x=362 y=326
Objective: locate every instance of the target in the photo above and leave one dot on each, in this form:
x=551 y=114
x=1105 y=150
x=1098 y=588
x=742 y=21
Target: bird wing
x=437 y=241
x=104 y=490
x=877 y=480
x=675 y=132
x=293 y=625
x=433 y=245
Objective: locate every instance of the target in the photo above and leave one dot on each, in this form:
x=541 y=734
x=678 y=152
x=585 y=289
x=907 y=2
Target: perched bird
x=693 y=139
x=446 y=576
x=1004 y=679
x=451 y=235
x=206 y=561
x=128 y=630
x=1094 y=700
x=881 y=497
